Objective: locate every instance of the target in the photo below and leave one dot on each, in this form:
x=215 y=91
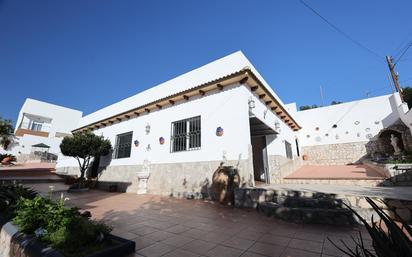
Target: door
x=259 y=158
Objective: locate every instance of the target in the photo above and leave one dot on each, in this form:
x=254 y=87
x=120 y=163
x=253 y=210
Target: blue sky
x=87 y=54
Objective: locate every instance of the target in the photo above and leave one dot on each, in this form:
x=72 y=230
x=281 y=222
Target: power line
x=404 y=51
x=347 y=36
x=404 y=40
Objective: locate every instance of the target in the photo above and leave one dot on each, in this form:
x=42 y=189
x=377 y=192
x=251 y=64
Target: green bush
x=10 y=195
x=62 y=228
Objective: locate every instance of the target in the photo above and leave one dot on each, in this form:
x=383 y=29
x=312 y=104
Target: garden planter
x=28 y=246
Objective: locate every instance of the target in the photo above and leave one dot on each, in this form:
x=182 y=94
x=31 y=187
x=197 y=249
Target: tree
x=335 y=102
x=407 y=96
x=308 y=107
x=6 y=131
x=84 y=147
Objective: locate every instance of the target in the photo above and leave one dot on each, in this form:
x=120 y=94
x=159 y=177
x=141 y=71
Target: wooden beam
x=111 y=122
x=119 y=119
x=137 y=114
x=283 y=116
x=268 y=102
x=159 y=106
x=274 y=108
x=103 y=124
x=243 y=81
x=254 y=88
x=171 y=102
x=278 y=113
x=261 y=96
x=219 y=86
x=147 y=110
x=127 y=116
x=201 y=92
x=287 y=121
x=290 y=124
x=186 y=97
x=97 y=126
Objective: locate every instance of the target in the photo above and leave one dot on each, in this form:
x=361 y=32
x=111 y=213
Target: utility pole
x=391 y=66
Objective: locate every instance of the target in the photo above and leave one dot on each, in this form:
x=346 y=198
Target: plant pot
x=35 y=248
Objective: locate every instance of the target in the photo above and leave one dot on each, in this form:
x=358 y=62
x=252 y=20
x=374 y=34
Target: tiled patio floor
x=163 y=226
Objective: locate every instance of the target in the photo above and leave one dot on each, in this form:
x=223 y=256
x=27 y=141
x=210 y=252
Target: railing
x=43 y=127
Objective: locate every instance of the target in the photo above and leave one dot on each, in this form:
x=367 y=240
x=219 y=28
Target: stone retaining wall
x=252 y=197
x=335 y=154
x=280 y=167
x=169 y=178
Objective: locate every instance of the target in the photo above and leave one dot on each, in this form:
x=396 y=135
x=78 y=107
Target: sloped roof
x=219 y=70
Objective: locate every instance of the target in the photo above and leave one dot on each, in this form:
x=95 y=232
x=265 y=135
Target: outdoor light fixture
x=277 y=127
x=251 y=103
x=147 y=129
x=136 y=143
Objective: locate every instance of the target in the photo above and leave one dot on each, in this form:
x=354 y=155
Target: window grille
x=186 y=135
x=288 y=147
x=123 y=145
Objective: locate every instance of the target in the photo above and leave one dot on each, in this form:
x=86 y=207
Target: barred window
x=186 y=135
x=288 y=147
x=123 y=145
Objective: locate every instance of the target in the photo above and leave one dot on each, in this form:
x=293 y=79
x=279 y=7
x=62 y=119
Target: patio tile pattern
x=164 y=226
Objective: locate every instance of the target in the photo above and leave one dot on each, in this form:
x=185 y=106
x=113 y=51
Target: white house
x=40 y=127
x=183 y=129
x=224 y=112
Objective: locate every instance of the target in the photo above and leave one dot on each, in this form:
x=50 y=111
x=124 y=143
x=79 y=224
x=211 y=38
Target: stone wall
x=168 y=178
x=334 y=154
x=280 y=167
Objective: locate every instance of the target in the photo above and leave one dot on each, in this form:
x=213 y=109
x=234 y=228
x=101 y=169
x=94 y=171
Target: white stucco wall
x=227 y=109
x=356 y=121
x=57 y=118
x=63 y=119
x=275 y=143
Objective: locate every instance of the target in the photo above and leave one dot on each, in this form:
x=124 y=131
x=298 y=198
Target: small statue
x=394 y=143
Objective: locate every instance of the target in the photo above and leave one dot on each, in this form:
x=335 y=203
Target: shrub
x=10 y=195
x=84 y=147
x=65 y=229
x=391 y=241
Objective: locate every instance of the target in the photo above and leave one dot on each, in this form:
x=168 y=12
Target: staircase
x=312 y=207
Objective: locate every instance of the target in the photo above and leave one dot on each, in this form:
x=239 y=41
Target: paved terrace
x=164 y=226
x=357 y=171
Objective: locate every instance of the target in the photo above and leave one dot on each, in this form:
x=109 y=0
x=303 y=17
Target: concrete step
x=255 y=197
x=335 y=216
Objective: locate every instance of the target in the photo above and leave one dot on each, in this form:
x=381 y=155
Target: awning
x=41 y=145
